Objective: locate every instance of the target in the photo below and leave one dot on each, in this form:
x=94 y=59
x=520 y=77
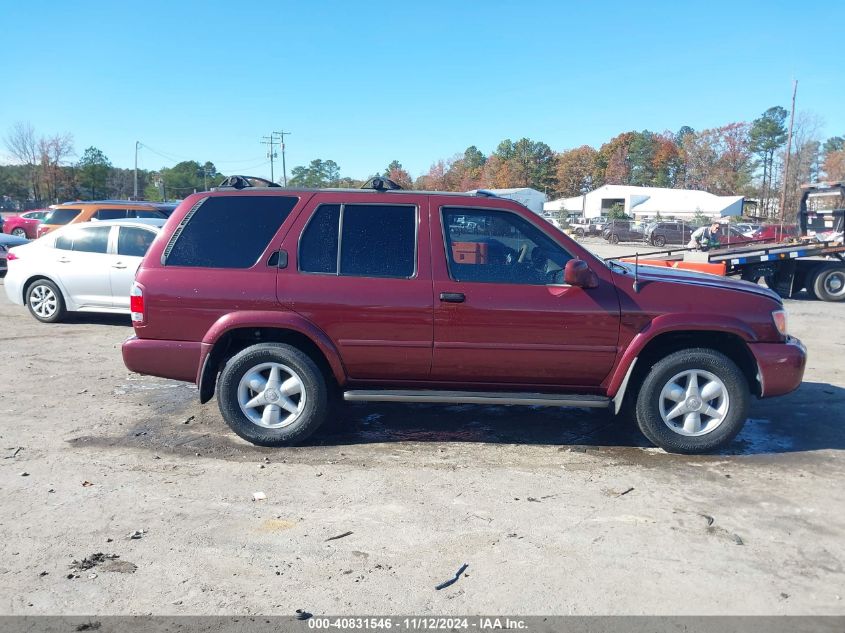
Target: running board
x=477 y=397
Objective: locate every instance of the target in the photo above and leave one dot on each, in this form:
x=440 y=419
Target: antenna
x=637 y=271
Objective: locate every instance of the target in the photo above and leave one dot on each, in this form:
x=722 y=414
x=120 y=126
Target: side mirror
x=577 y=273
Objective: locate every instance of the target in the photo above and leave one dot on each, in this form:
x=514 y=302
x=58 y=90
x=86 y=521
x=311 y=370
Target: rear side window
x=61 y=216
x=318 y=246
x=375 y=241
x=88 y=240
x=228 y=231
x=134 y=242
x=110 y=214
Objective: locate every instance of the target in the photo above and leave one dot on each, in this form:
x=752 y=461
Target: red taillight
x=10 y=256
x=136 y=303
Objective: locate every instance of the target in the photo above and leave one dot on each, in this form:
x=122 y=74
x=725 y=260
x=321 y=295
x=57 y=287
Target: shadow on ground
x=811 y=419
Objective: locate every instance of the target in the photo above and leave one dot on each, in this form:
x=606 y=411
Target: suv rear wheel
x=693 y=401
x=272 y=394
x=658 y=240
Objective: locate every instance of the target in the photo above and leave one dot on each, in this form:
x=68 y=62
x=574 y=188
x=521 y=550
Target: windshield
x=61 y=216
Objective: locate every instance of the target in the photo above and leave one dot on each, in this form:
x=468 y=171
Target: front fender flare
x=670 y=323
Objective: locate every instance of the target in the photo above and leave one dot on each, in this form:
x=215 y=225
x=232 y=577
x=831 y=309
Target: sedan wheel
x=19 y=232
x=45 y=301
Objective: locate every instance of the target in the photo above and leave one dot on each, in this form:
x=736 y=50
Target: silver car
x=87 y=267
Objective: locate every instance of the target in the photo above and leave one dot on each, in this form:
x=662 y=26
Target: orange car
x=75 y=212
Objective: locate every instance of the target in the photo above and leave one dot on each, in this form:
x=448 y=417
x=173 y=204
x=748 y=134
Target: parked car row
x=86 y=267
x=674 y=233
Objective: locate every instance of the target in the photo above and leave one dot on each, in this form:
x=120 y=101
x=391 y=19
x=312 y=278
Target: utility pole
x=137 y=145
x=281 y=136
x=271 y=140
x=788 y=152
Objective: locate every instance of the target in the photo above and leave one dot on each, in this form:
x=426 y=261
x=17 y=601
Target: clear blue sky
x=366 y=83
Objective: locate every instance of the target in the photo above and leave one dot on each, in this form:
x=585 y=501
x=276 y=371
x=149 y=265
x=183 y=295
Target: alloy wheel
x=271 y=395
x=44 y=301
x=694 y=402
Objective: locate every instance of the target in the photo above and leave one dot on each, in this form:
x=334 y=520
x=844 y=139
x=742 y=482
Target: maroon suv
x=284 y=301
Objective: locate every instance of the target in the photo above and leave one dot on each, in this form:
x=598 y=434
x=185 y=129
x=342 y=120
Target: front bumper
x=177 y=360
x=780 y=365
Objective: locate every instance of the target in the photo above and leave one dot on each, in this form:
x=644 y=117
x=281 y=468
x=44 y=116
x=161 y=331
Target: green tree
x=767 y=135
x=94 y=168
x=319 y=173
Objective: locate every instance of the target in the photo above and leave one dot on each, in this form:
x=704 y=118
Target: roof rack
x=484 y=193
x=245 y=182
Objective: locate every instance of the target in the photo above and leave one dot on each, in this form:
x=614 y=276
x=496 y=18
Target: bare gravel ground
x=554 y=511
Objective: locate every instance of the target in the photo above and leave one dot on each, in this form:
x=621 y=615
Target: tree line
x=738 y=158
x=45 y=173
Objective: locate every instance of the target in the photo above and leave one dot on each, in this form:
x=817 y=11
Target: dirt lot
x=554 y=511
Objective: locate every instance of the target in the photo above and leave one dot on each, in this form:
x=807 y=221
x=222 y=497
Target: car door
x=502 y=312
x=359 y=269
x=129 y=249
x=82 y=265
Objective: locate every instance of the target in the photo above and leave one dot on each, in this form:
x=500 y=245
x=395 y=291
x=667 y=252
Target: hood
x=648 y=273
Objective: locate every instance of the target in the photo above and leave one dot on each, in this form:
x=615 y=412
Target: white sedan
x=85 y=267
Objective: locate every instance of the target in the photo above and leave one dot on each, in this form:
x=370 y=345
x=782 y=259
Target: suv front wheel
x=693 y=401
x=272 y=394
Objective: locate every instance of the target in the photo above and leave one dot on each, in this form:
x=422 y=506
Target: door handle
x=118 y=265
x=63 y=260
x=452 y=297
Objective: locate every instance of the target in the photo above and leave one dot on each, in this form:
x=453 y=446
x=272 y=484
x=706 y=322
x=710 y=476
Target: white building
x=526 y=196
x=647 y=202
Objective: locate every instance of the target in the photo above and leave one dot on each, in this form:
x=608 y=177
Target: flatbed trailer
x=818 y=267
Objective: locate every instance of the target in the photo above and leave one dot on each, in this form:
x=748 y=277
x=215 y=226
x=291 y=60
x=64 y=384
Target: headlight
x=779 y=317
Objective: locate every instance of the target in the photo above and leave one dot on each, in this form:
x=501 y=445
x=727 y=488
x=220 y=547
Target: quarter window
x=61 y=216
x=500 y=247
x=374 y=241
x=228 y=231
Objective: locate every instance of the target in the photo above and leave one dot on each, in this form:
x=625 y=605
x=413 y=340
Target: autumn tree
x=53 y=152
x=399 y=175
x=833 y=158
x=612 y=164
x=575 y=171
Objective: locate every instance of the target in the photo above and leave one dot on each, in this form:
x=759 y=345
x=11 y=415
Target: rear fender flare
x=283 y=321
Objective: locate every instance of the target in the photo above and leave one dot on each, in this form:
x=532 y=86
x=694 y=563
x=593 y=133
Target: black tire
x=614 y=238
x=19 y=232
x=314 y=390
x=828 y=284
x=734 y=385
x=658 y=240
x=45 y=301
x=810 y=280
x=579 y=232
